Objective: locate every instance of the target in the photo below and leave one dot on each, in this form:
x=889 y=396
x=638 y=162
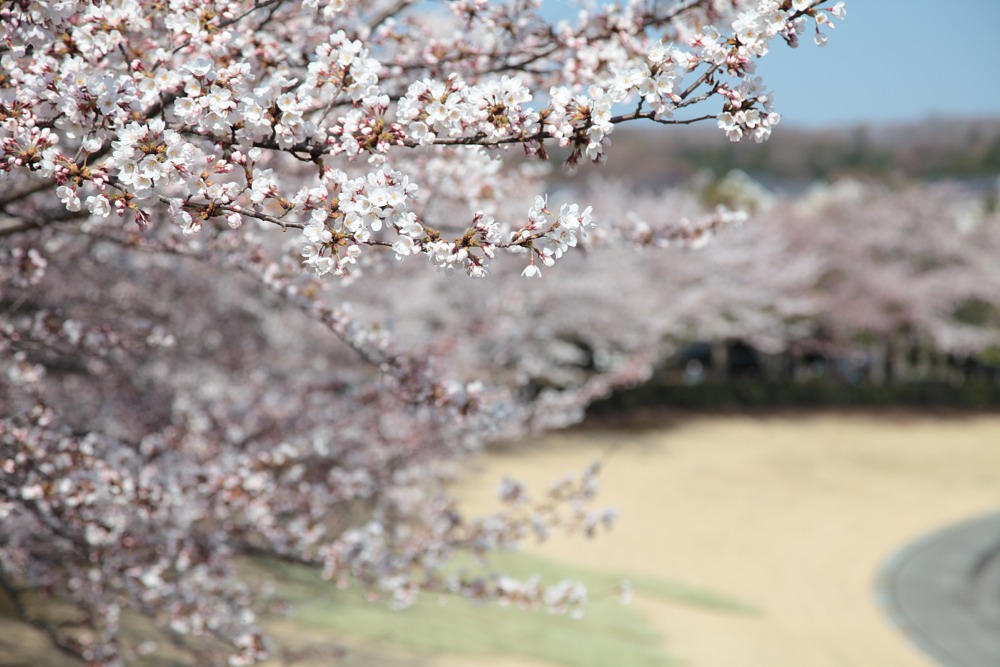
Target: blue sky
x=893 y=60
x=890 y=60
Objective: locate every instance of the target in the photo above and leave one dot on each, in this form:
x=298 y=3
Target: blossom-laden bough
x=191 y=195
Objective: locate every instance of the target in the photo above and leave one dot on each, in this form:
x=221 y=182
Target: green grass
x=677 y=593
x=609 y=632
x=323 y=620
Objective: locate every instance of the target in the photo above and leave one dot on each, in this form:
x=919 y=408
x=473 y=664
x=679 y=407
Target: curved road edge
x=943 y=593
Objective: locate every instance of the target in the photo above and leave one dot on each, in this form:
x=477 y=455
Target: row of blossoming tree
x=219 y=332
x=883 y=280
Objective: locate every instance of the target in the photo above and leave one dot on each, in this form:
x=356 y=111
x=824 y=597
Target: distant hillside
x=935 y=148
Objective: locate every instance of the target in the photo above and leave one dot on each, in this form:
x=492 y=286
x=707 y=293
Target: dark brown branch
x=387 y=14
x=12 y=224
x=256 y=6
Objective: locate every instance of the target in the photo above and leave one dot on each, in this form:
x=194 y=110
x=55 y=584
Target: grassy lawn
x=608 y=633
x=322 y=620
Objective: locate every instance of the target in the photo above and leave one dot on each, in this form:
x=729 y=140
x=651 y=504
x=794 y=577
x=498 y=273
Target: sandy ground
x=794 y=515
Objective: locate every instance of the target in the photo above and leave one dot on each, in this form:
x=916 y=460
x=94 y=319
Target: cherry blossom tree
x=899 y=271
x=898 y=277
x=219 y=335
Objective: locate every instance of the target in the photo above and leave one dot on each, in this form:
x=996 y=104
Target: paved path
x=943 y=593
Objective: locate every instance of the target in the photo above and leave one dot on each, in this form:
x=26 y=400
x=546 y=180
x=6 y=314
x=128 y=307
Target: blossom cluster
x=364 y=205
x=492 y=111
x=550 y=240
x=149 y=156
x=748 y=108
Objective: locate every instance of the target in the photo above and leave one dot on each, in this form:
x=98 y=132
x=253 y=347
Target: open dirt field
x=793 y=515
